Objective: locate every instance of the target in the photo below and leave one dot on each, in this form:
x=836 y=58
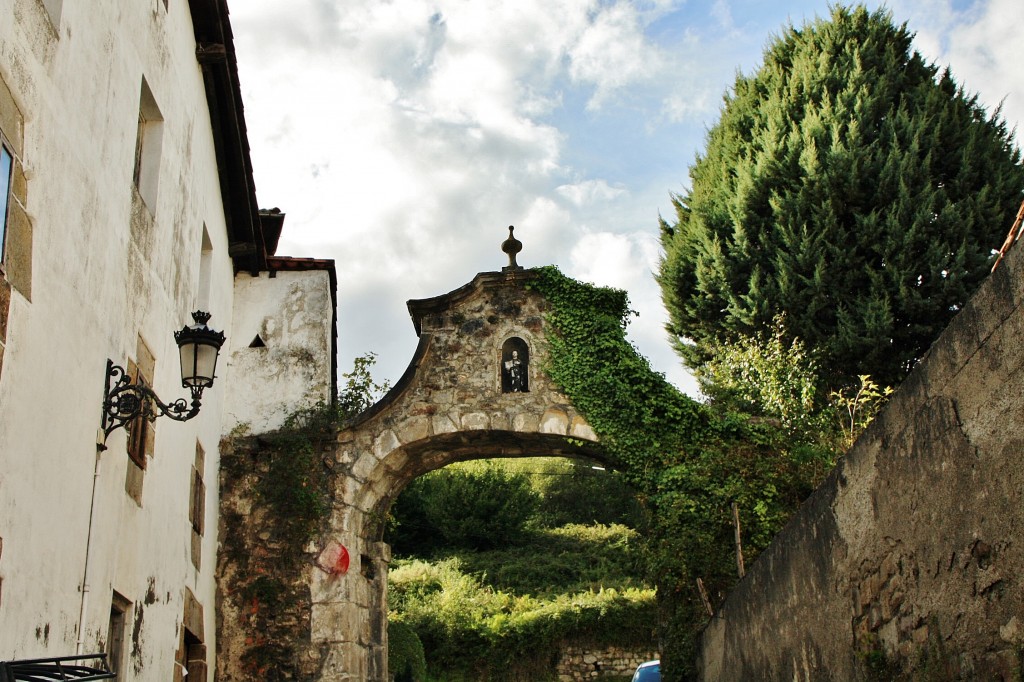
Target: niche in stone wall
x=515 y=366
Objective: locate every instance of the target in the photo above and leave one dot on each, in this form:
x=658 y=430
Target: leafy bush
x=471 y=631
x=478 y=505
x=574 y=492
x=406 y=661
x=574 y=558
x=771 y=376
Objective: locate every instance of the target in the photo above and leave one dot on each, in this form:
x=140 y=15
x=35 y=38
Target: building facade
x=128 y=203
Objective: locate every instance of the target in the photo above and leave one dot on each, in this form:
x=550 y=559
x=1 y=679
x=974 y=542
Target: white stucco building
x=128 y=202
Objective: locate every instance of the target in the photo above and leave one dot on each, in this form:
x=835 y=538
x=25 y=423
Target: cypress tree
x=850 y=186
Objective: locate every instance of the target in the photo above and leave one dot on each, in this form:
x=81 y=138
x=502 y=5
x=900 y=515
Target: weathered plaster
x=88 y=280
x=292 y=313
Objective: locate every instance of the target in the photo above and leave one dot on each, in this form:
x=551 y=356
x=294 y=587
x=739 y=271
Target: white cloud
x=980 y=43
x=613 y=53
x=402 y=137
x=590 y=191
x=611 y=259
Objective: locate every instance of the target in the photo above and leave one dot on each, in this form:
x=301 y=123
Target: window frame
x=7 y=196
x=138 y=428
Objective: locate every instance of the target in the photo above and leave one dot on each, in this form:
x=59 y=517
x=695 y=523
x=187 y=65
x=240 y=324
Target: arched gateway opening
x=462 y=397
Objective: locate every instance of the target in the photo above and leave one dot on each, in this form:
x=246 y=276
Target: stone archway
x=452 y=404
x=455 y=402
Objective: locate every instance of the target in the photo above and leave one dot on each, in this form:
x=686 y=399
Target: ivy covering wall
x=688 y=463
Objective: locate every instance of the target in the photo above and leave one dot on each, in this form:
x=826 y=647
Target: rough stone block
x=345 y=662
x=385 y=443
x=443 y=398
x=396 y=461
x=345 y=455
x=324 y=588
x=443 y=424
x=364 y=466
x=348 y=490
x=526 y=422
x=888 y=567
x=336 y=622
x=1011 y=631
x=413 y=429
x=875 y=619
x=555 y=421
x=475 y=421
x=579 y=428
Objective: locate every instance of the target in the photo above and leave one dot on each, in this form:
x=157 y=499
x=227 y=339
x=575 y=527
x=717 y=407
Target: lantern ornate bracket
x=124 y=401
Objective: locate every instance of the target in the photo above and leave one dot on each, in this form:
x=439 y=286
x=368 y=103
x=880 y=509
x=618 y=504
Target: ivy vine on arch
x=688 y=463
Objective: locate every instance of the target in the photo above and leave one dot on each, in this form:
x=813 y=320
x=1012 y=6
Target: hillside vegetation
x=568 y=568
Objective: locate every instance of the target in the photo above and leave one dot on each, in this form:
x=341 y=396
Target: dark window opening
x=115 y=631
x=139 y=431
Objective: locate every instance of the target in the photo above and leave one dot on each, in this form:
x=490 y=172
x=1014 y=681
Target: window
x=205 y=271
x=138 y=430
x=115 y=631
x=6 y=167
x=148 y=143
x=141 y=431
x=190 y=660
x=197 y=505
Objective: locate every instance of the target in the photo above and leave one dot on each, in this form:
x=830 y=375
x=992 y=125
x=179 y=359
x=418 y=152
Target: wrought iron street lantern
x=124 y=401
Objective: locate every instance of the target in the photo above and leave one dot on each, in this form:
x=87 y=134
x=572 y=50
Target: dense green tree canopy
x=849 y=185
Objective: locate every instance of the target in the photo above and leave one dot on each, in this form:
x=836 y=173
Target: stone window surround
x=16 y=254
x=528 y=341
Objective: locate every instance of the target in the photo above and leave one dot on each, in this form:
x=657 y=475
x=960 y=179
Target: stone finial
x=511 y=246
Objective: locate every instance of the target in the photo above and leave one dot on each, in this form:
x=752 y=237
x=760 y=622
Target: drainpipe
x=100 y=447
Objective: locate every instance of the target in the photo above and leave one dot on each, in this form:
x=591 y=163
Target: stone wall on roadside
x=579 y=664
x=909 y=557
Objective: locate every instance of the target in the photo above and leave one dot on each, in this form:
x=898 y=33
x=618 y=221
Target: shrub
x=406 y=661
x=479 y=505
x=471 y=631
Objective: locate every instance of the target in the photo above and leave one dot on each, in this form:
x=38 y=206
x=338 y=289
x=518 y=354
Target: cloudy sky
x=403 y=137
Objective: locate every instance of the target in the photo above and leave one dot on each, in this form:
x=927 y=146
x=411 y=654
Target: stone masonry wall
x=908 y=559
x=313 y=618
x=578 y=664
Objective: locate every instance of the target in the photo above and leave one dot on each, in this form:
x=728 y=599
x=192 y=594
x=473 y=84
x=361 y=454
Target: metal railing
x=88 y=667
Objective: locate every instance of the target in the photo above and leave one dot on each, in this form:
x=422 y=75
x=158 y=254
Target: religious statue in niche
x=515 y=360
